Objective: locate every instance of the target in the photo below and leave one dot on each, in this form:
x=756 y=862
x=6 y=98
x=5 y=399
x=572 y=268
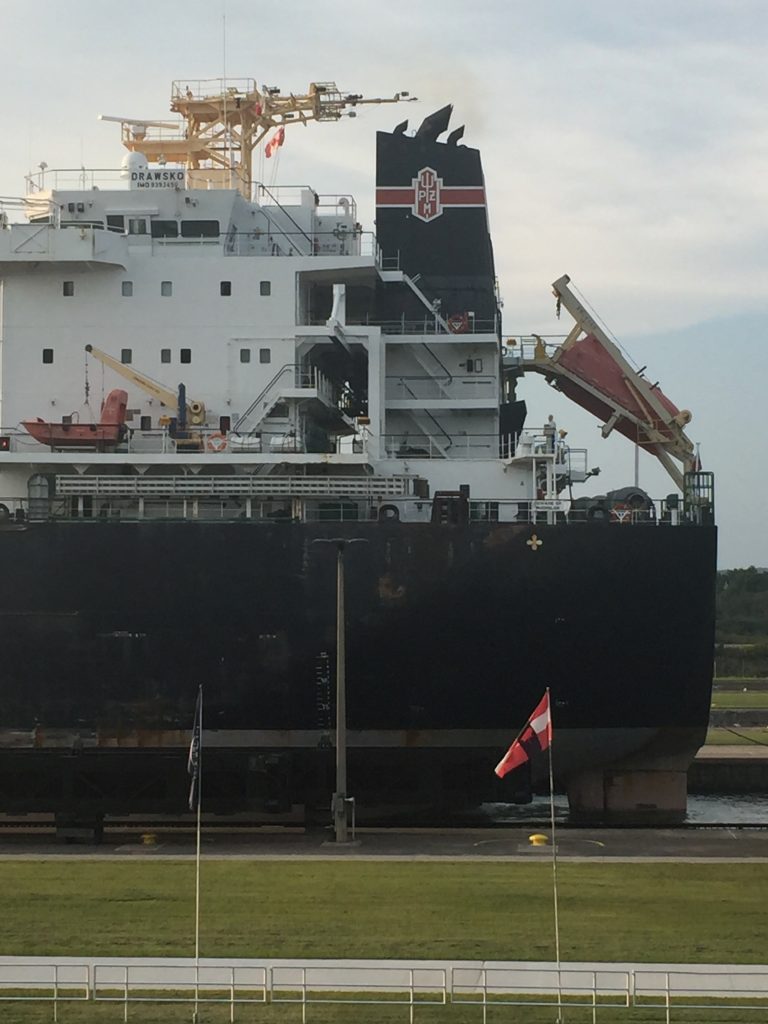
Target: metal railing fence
x=390 y=986
x=354 y=499
x=230 y=985
x=54 y=983
x=600 y=993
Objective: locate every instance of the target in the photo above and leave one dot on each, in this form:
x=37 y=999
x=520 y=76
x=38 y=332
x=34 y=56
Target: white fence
x=597 y=992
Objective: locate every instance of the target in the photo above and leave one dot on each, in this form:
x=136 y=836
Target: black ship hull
x=453 y=632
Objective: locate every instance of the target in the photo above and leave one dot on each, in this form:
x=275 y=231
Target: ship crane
x=592 y=371
x=188 y=411
x=224 y=120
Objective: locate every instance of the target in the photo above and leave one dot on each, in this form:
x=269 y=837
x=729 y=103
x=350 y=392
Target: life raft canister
x=216 y=442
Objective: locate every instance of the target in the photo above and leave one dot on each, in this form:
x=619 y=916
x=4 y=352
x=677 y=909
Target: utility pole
x=339 y=800
x=340 y=796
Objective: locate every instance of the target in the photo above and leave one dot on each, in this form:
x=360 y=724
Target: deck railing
x=255 y=499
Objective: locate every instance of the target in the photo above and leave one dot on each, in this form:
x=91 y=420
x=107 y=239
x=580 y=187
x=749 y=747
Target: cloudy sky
x=625 y=143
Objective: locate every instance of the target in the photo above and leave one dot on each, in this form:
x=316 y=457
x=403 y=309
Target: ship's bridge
x=287 y=221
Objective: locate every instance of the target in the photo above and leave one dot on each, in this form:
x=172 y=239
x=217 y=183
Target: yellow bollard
x=538 y=839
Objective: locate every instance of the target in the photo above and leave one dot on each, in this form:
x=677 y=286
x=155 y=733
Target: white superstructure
x=250 y=298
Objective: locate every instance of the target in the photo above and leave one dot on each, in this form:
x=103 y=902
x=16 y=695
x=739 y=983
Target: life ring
x=216 y=442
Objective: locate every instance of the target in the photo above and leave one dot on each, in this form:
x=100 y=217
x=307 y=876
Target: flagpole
x=554 y=868
x=198 y=725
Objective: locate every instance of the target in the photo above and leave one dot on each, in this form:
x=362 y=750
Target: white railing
x=75 y=179
x=363 y=985
x=231 y=985
x=305 y=499
x=526 y=348
x=606 y=992
x=441 y=446
x=404 y=388
x=541 y=986
x=713 y=991
x=224 y=486
x=54 y=983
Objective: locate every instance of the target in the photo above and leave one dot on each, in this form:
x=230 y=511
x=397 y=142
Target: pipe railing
x=172 y=502
x=606 y=992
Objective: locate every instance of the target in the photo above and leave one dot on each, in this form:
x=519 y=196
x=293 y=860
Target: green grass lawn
x=647 y=912
x=739 y=736
x=473 y=910
x=485 y=910
x=739 y=699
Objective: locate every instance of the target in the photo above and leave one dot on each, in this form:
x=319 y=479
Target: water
x=723 y=809
x=728 y=809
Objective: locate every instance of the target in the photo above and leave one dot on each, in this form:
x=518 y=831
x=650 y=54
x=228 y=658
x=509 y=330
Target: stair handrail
x=280 y=206
x=245 y=416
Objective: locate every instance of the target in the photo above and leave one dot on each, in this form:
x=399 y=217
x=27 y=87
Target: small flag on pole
x=275 y=142
x=193 y=762
x=535 y=737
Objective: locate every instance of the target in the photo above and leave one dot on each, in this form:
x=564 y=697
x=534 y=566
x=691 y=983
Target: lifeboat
x=101 y=436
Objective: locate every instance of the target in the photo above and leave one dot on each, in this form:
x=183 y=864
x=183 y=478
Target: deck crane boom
x=191 y=410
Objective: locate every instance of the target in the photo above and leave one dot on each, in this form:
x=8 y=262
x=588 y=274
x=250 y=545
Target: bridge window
x=68 y=288
x=199 y=229
x=185 y=355
x=166 y=288
x=265 y=355
x=165 y=355
x=245 y=355
x=115 y=222
x=127 y=288
x=47 y=355
x=265 y=287
x=225 y=288
x=165 y=229
x=126 y=355
x=137 y=226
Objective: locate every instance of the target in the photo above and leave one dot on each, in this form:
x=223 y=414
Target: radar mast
x=223 y=121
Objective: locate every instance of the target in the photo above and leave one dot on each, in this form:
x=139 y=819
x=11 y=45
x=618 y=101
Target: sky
x=624 y=143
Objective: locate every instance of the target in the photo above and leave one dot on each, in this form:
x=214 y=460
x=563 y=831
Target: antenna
x=228 y=133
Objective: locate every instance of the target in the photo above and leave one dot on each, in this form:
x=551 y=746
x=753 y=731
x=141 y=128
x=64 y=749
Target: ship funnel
x=455 y=135
x=435 y=124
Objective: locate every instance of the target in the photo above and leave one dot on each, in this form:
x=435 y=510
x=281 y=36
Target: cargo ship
x=204 y=375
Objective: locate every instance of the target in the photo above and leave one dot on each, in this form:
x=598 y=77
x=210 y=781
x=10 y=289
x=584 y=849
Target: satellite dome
x=132 y=162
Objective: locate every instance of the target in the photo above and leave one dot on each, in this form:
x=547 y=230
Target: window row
x=166 y=288
x=163 y=228
x=185 y=355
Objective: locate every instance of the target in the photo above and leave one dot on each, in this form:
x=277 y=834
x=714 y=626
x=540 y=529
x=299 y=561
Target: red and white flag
x=275 y=142
x=534 y=737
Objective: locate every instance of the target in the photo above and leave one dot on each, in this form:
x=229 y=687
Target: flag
x=277 y=140
x=535 y=737
x=193 y=761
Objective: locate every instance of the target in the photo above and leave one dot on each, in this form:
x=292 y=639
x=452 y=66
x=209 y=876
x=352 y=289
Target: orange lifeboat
x=101 y=436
